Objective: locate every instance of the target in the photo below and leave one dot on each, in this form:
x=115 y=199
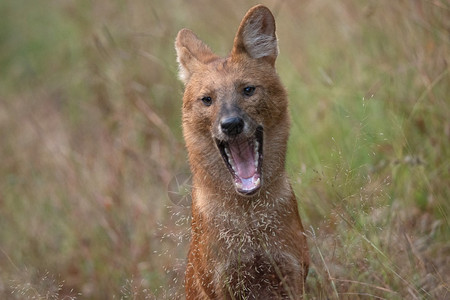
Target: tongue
x=244 y=159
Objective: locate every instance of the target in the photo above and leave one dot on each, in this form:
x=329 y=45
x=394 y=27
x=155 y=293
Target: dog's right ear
x=191 y=54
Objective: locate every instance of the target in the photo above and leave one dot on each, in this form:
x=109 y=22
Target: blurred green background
x=90 y=109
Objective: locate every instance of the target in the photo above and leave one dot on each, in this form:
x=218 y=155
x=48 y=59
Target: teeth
x=257 y=182
x=227 y=152
x=230 y=159
x=239 y=185
x=233 y=166
x=256 y=153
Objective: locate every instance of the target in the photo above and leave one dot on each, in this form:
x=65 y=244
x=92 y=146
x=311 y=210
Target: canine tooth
x=257 y=182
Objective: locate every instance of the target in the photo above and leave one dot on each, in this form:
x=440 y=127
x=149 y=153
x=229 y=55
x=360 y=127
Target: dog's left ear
x=256 y=35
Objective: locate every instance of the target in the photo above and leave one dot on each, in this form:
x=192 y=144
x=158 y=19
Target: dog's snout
x=232 y=126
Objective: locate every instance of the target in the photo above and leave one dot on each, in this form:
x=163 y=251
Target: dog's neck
x=210 y=202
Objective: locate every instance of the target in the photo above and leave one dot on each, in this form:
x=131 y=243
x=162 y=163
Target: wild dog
x=247 y=239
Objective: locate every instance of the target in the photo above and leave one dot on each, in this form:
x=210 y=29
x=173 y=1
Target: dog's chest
x=250 y=243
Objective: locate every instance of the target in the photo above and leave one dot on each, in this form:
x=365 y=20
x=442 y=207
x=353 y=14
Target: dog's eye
x=207 y=100
x=249 y=90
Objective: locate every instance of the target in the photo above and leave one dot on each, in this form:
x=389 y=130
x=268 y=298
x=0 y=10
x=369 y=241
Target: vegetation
x=91 y=145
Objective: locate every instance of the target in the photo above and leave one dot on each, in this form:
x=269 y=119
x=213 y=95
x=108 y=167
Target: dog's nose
x=232 y=126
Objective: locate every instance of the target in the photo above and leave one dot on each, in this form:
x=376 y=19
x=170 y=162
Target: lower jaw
x=247 y=193
x=240 y=186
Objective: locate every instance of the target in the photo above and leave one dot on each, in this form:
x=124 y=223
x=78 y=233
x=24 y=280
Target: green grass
x=91 y=138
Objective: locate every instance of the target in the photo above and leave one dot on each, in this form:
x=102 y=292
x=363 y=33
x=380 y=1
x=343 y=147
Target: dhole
x=247 y=238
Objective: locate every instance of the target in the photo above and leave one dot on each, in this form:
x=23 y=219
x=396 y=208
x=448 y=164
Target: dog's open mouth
x=243 y=158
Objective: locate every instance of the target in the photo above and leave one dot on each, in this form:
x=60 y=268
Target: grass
x=91 y=140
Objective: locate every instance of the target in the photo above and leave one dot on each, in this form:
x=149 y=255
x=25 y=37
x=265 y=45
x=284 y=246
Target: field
x=94 y=179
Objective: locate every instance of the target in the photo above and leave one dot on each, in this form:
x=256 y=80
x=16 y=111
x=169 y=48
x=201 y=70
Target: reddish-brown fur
x=243 y=246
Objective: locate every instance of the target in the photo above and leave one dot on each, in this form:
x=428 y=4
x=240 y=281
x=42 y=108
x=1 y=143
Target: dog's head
x=235 y=119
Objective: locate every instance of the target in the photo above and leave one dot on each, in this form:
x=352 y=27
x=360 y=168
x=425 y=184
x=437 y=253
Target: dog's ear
x=191 y=53
x=256 y=35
